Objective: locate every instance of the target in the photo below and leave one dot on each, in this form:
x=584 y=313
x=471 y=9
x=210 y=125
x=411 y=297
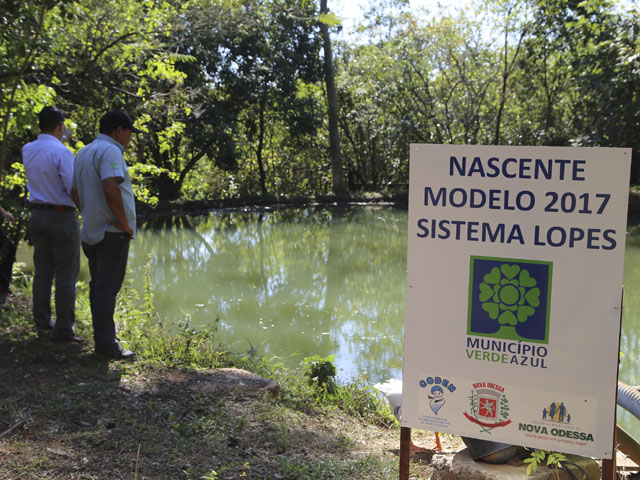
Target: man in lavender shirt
x=53 y=226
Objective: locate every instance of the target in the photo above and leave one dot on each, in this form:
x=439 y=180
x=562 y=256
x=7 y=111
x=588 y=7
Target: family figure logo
x=488 y=406
x=556 y=412
x=509 y=299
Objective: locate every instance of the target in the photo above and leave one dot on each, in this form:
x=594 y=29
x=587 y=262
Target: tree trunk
x=503 y=92
x=332 y=101
x=261 y=128
x=507 y=70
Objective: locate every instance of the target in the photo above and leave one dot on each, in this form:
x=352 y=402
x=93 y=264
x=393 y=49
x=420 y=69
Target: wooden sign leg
x=405 y=452
x=609 y=469
x=609 y=466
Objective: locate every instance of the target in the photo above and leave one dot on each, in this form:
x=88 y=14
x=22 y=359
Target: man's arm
x=76 y=197
x=65 y=169
x=111 y=189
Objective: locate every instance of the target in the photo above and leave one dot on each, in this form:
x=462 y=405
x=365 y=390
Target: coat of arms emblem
x=488 y=406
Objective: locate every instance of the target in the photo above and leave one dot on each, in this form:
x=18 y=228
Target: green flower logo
x=509 y=294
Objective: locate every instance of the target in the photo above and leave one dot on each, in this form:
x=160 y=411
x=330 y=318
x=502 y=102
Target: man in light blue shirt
x=53 y=226
x=102 y=189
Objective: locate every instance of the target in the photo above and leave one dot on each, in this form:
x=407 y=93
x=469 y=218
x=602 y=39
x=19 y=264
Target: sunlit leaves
x=16 y=179
x=329 y=18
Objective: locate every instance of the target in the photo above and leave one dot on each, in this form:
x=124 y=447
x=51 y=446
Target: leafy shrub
x=320 y=372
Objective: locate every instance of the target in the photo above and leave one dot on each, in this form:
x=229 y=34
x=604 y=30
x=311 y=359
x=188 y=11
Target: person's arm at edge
x=111 y=189
x=6 y=215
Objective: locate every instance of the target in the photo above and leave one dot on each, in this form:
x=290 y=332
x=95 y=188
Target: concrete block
x=461 y=466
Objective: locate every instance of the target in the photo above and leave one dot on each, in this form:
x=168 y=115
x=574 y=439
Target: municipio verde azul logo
x=509 y=299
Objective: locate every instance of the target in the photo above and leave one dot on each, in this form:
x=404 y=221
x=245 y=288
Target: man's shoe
x=68 y=339
x=118 y=352
x=44 y=331
x=123 y=354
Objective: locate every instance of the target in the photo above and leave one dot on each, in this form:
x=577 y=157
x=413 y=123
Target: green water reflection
x=295 y=282
x=629 y=344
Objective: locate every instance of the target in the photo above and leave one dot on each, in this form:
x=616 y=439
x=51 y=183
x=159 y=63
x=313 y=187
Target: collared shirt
x=99 y=160
x=48 y=165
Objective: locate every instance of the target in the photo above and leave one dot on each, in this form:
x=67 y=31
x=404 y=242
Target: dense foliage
x=232 y=94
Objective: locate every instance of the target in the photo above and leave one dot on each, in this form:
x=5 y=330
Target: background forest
x=240 y=98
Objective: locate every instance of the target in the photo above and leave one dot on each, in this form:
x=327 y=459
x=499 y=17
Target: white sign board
x=514 y=290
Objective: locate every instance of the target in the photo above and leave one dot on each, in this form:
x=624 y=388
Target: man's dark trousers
x=56 y=255
x=107 y=266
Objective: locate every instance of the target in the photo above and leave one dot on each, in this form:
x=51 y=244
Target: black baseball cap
x=117 y=118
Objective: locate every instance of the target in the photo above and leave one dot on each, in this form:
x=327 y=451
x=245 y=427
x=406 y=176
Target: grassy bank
x=67 y=414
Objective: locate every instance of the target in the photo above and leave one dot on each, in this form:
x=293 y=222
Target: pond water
x=308 y=281
x=294 y=282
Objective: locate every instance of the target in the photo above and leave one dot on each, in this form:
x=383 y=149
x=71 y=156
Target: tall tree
x=332 y=101
x=582 y=64
x=511 y=14
x=244 y=64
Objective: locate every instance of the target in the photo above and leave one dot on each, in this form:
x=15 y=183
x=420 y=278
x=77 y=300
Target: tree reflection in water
x=296 y=282
x=629 y=370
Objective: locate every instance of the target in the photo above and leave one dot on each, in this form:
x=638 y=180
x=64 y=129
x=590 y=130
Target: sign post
x=609 y=465
x=405 y=452
x=515 y=263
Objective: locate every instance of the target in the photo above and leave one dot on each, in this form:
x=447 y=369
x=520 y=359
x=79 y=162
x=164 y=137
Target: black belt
x=48 y=206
